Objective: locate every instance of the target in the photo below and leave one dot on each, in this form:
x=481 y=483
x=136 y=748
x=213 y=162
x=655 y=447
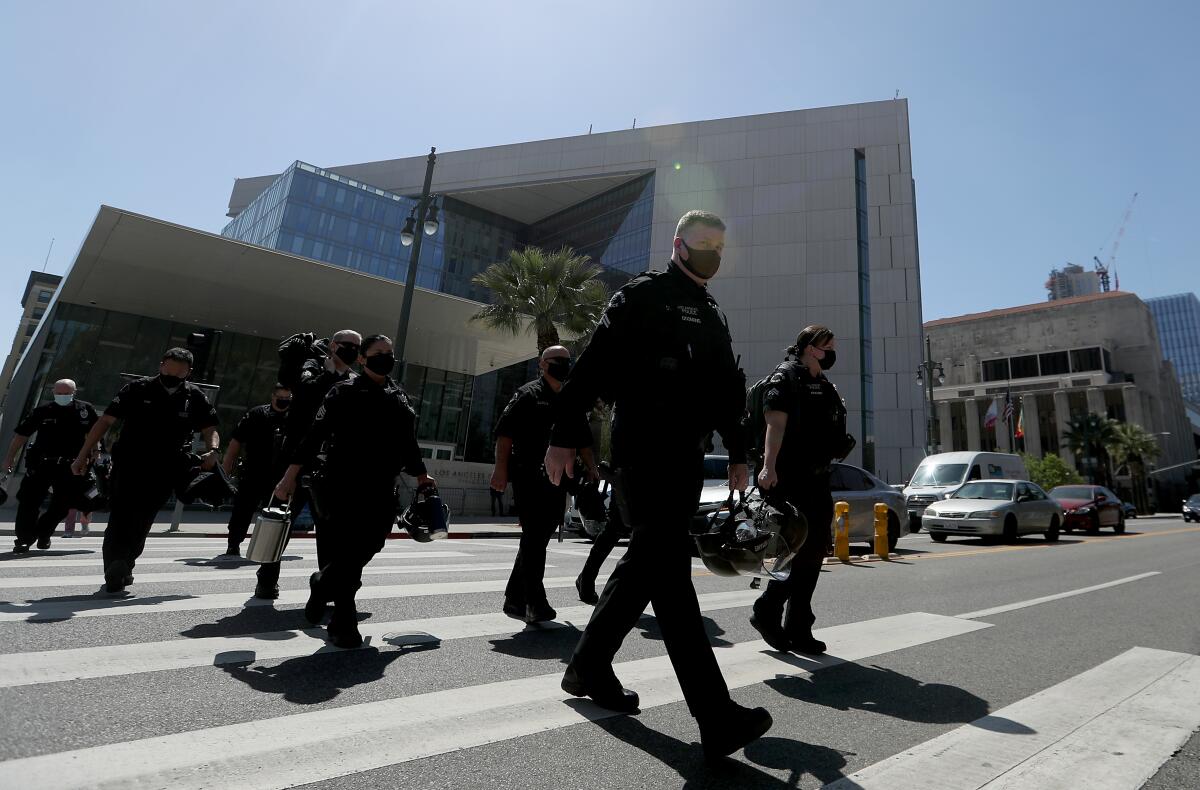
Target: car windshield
x=938 y=475
x=716 y=467
x=985 y=491
x=1194 y=499
x=1072 y=492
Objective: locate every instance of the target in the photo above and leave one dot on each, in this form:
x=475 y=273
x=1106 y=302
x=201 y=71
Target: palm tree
x=541 y=292
x=1133 y=445
x=1088 y=436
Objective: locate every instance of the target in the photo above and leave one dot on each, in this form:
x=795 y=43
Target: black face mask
x=702 y=263
x=282 y=403
x=347 y=353
x=381 y=364
x=827 y=361
x=168 y=381
x=558 y=369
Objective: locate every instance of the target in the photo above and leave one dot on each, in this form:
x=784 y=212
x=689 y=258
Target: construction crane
x=1103 y=269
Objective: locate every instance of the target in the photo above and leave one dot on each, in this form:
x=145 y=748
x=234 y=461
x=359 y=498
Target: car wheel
x=1011 y=535
x=1120 y=527
x=893 y=531
x=1094 y=525
x=1051 y=534
x=938 y=537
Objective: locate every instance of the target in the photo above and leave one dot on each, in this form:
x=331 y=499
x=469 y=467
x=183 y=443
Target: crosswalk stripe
x=94 y=561
x=1109 y=728
x=52 y=666
x=94 y=606
x=215 y=575
x=283 y=751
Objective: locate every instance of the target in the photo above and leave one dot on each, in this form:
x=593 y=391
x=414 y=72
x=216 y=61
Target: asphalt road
x=185 y=686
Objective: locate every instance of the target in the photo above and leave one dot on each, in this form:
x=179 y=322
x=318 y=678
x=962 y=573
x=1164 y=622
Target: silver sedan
x=995 y=508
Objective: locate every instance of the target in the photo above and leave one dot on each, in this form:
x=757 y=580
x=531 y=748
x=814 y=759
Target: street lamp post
x=927 y=373
x=424 y=215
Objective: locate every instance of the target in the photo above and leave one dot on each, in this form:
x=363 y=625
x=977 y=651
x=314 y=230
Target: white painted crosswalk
x=1147 y=699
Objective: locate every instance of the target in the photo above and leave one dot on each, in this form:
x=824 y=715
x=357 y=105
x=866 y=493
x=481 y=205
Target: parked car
x=1090 y=508
x=940 y=475
x=1191 y=508
x=994 y=508
x=851 y=484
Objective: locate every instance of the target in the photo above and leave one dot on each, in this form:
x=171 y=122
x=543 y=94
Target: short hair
x=810 y=335
x=178 y=355
x=69 y=382
x=280 y=386
x=371 y=340
x=698 y=217
x=343 y=332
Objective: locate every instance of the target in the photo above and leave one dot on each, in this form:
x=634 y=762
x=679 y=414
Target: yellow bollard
x=841 y=531
x=881 y=530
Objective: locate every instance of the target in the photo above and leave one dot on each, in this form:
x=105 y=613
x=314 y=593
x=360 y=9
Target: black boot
x=44 y=542
x=605 y=693
x=540 y=613
x=20 y=548
x=587 y=590
x=723 y=733
x=343 y=627
x=314 y=609
x=771 y=628
x=807 y=643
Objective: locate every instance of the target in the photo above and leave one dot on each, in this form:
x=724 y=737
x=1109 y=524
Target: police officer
x=309 y=380
x=663 y=353
x=806 y=431
x=522 y=436
x=158 y=414
x=259 y=434
x=61 y=427
x=602 y=546
x=368 y=431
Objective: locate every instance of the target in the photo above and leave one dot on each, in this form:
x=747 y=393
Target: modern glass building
x=1178 y=319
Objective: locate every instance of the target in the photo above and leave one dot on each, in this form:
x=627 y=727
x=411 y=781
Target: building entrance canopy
x=135 y=264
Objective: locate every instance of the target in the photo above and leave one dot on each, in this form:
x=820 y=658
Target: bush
x=1051 y=471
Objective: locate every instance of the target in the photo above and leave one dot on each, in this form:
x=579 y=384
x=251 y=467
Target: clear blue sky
x=1032 y=123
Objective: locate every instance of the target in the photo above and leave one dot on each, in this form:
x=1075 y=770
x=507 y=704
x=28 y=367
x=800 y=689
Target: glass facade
x=1178 y=320
x=864 y=313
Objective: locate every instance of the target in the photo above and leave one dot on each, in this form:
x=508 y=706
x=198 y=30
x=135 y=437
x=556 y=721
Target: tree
x=1088 y=436
x=1051 y=471
x=541 y=292
x=1132 y=445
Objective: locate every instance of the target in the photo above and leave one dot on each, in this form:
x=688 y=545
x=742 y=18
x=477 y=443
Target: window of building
x=30 y=329
x=1055 y=363
x=1086 y=359
x=995 y=370
x=1025 y=367
x=44 y=296
x=1107 y=361
x=39 y=311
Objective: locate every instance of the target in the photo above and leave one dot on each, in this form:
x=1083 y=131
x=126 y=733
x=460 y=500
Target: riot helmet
x=426 y=518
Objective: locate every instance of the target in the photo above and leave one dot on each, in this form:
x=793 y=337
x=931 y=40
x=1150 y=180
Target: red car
x=1089 y=508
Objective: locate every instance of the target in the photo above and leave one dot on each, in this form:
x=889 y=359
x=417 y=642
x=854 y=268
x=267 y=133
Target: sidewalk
x=202 y=524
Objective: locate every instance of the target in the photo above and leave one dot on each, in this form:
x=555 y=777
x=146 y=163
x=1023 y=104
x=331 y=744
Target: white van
x=940 y=475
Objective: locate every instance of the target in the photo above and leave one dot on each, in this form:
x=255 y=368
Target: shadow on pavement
x=317 y=678
x=65 y=607
x=33 y=554
x=540 y=643
x=889 y=693
x=697 y=773
x=226 y=564
x=260 y=621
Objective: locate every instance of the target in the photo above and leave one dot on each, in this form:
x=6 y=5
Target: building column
x=972 y=407
x=945 y=427
x=1033 y=428
x=1062 y=416
x=1095 y=401
x=1133 y=405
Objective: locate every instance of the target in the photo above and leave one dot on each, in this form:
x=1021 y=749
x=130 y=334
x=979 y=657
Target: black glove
x=297 y=348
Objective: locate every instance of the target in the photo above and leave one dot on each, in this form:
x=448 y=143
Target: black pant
x=253 y=491
x=656 y=568
x=497 y=502
x=139 y=491
x=361 y=528
x=811 y=496
x=541 y=507
x=32 y=524
x=602 y=546
x=268 y=572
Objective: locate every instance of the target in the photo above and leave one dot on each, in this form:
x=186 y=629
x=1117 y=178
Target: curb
x=298 y=535
x=855 y=558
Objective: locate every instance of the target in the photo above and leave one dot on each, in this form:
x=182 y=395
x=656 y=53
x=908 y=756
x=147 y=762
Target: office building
x=1178 y=320
x=39 y=290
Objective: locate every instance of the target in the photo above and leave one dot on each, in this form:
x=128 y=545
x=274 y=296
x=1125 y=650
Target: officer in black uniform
x=806 y=432
x=663 y=354
x=159 y=414
x=369 y=433
x=61 y=426
x=602 y=545
x=310 y=380
x=522 y=436
x=259 y=434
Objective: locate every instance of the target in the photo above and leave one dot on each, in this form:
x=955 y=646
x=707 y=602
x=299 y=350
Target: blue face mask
x=64 y=400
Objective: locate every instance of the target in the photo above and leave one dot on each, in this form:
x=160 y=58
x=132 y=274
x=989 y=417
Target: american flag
x=1008 y=408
